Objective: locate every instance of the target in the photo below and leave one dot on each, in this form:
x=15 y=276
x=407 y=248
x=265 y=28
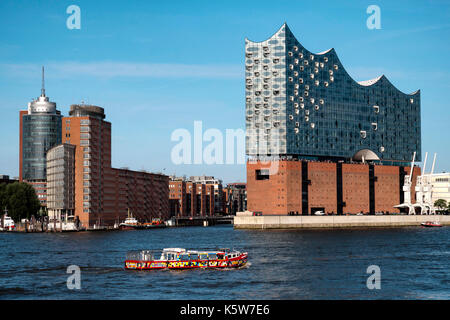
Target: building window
x=262 y=174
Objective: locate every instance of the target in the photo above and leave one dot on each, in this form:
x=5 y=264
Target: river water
x=301 y=264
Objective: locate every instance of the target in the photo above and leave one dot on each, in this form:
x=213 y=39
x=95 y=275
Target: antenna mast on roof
x=43 y=84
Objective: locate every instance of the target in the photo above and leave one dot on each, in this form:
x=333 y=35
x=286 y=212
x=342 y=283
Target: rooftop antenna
x=43 y=84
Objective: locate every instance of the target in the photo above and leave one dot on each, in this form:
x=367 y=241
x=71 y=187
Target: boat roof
x=219 y=250
x=174 y=249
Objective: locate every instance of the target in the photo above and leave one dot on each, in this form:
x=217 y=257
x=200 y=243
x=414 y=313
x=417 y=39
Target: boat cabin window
x=170 y=256
x=203 y=256
x=194 y=256
x=220 y=256
x=212 y=256
x=146 y=255
x=184 y=257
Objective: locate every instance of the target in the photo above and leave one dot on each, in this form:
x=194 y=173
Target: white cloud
x=110 y=69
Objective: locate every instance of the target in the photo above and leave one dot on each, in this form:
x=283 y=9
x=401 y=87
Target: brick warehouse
x=192 y=197
x=338 y=145
x=304 y=187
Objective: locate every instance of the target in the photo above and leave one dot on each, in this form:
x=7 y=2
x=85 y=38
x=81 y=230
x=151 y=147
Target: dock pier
x=312 y=222
x=202 y=221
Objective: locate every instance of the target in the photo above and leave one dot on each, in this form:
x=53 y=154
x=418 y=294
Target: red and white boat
x=179 y=258
x=431 y=224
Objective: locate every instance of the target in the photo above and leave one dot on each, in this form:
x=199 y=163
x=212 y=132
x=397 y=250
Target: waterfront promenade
x=299 y=222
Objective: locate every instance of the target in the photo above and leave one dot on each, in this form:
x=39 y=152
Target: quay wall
x=299 y=222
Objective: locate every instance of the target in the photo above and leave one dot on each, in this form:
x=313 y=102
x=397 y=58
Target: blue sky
x=158 y=66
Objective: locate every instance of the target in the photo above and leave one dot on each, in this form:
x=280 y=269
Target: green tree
x=440 y=204
x=2 y=197
x=20 y=199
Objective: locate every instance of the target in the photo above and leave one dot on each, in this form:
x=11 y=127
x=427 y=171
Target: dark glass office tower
x=41 y=130
x=301 y=104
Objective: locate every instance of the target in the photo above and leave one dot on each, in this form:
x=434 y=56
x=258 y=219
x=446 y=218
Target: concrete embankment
x=300 y=222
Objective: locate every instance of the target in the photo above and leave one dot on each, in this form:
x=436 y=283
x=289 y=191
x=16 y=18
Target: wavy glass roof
x=307 y=104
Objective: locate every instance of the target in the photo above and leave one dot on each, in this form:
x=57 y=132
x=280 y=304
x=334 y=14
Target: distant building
x=61 y=182
x=440 y=186
x=145 y=194
x=40 y=130
x=196 y=196
x=217 y=190
x=6 y=179
x=235 y=198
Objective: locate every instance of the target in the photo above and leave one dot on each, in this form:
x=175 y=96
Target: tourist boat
x=431 y=224
x=179 y=258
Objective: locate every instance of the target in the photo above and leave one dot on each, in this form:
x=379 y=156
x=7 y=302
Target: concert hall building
x=319 y=140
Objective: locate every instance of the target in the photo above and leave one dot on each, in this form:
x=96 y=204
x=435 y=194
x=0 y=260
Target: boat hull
x=431 y=225
x=236 y=262
x=123 y=226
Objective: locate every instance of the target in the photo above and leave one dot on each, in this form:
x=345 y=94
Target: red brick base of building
x=303 y=187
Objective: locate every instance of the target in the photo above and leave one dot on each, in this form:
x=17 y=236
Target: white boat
x=8 y=222
x=319 y=213
x=130 y=223
x=431 y=224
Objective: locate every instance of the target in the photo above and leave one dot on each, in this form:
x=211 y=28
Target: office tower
x=40 y=130
x=104 y=195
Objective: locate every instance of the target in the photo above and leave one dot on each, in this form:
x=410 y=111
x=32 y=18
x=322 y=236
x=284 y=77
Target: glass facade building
x=305 y=105
x=41 y=130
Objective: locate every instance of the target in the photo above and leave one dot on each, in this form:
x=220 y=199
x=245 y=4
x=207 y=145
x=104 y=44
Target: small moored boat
x=179 y=258
x=132 y=223
x=431 y=224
